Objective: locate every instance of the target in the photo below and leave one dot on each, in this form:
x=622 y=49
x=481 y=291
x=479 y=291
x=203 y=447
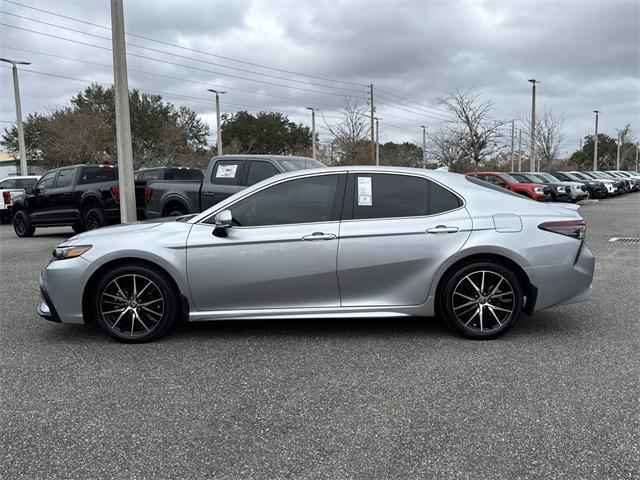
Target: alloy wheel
x=132 y=305
x=483 y=300
x=92 y=221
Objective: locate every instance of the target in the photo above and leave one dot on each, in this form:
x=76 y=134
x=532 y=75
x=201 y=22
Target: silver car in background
x=335 y=242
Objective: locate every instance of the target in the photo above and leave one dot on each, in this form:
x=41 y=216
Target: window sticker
x=226 y=171
x=364 y=192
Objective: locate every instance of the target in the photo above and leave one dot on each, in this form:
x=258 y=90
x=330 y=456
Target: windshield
x=510 y=178
x=299 y=163
x=491 y=186
x=581 y=176
x=544 y=177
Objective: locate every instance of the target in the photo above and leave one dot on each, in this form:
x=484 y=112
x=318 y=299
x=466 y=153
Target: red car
x=536 y=191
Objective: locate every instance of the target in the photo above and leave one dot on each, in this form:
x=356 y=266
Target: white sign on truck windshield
x=226 y=171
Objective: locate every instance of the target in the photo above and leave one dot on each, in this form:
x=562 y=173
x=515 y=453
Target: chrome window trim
x=342 y=172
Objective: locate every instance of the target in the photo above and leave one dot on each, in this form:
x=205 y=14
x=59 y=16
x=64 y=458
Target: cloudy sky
x=288 y=55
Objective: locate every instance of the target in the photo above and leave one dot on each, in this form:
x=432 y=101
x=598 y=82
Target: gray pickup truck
x=224 y=176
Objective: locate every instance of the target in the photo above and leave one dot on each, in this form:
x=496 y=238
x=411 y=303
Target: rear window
x=98 y=175
x=491 y=186
x=183 y=174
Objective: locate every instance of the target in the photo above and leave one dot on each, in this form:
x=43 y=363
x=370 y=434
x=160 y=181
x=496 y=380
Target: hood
x=104 y=232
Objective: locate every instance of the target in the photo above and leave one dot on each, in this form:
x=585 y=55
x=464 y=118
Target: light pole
x=513 y=133
x=313 y=130
x=377 y=119
x=618 y=152
x=218 y=131
x=520 y=151
x=532 y=160
x=595 y=143
x=126 y=181
x=424 y=146
x=16 y=90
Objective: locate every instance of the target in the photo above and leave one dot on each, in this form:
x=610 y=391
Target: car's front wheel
x=481 y=300
x=22 y=224
x=135 y=303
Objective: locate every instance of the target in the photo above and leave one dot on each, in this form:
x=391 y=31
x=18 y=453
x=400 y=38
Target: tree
x=85 y=130
x=549 y=137
x=351 y=134
x=264 y=133
x=445 y=148
x=477 y=134
x=400 y=154
x=579 y=160
x=607 y=150
x=628 y=145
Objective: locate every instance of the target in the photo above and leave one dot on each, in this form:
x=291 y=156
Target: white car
x=10 y=188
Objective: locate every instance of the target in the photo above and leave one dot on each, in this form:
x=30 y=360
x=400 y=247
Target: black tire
x=78 y=228
x=22 y=224
x=93 y=218
x=118 y=319
x=481 y=315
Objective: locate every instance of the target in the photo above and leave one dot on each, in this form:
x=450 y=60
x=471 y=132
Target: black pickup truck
x=224 y=176
x=81 y=196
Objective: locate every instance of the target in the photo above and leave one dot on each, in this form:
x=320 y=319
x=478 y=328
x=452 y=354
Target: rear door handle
x=443 y=229
x=319 y=236
x=209 y=194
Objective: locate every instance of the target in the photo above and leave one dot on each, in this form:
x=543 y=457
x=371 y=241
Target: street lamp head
x=311 y=108
x=14 y=62
x=217 y=92
x=596 y=111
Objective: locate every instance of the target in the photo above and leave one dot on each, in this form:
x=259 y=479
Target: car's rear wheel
x=22 y=224
x=94 y=218
x=481 y=300
x=135 y=303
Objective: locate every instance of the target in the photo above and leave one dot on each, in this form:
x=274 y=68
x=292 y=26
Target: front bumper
x=61 y=288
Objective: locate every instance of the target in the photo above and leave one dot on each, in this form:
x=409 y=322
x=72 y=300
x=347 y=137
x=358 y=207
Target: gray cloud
x=586 y=54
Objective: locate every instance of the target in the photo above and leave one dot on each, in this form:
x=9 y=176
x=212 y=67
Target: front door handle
x=443 y=229
x=319 y=236
x=208 y=194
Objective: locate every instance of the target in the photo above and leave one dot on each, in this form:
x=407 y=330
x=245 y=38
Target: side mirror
x=28 y=190
x=502 y=184
x=224 y=221
x=36 y=191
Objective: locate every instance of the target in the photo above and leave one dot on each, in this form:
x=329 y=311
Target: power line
x=420 y=109
x=189 y=49
x=189 y=80
x=407 y=100
x=179 y=64
x=422 y=115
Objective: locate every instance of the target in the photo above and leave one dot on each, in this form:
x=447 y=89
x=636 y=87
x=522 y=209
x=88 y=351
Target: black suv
x=81 y=196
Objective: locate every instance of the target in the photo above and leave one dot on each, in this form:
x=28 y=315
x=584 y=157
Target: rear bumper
x=565 y=283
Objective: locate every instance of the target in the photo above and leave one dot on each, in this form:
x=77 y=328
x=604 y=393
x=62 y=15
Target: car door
x=280 y=253
x=396 y=231
x=226 y=179
x=39 y=202
x=60 y=198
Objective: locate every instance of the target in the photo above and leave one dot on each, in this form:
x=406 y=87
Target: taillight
x=6 y=196
x=147 y=194
x=115 y=193
x=570 y=228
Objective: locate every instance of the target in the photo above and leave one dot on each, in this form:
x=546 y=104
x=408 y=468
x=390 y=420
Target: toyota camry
x=339 y=242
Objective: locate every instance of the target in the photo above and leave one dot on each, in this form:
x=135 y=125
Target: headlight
x=593 y=183
x=539 y=190
x=72 y=251
x=561 y=189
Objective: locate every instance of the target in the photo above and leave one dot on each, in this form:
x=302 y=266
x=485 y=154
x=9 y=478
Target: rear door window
x=9 y=183
x=259 y=170
x=442 y=200
x=65 y=178
x=387 y=196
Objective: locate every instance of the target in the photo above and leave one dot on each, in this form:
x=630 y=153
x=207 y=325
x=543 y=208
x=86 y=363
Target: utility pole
x=313 y=130
x=580 y=144
x=424 y=146
x=595 y=143
x=532 y=160
x=128 y=212
x=618 y=152
x=513 y=132
x=373 y=145
x=218 y=129
x=377 y=141
x=520 y=151
x=22 y=151
x=637 y=145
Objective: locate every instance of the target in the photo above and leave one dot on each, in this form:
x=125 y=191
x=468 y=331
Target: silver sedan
x=336 y=242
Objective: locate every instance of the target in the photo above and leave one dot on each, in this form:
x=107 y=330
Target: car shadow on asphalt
x=539 y=326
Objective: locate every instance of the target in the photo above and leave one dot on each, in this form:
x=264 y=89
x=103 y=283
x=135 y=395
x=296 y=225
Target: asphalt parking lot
x=557 y=397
